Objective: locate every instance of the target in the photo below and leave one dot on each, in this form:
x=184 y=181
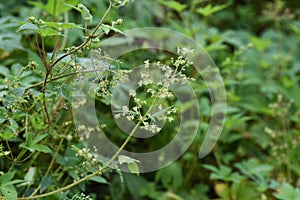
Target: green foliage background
x=255 y=44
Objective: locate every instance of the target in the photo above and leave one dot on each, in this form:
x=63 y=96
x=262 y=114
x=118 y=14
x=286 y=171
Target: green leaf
x=171 y=177
x=4 y=71
x=294 y=28
x=54 y=7
x=28 y=26
x=29 y=177
x=16 y=68
x=3 y=112
x=6 y=186
x=5 y=178
x=133 y=168
x=45 y=183
x=7 y=135
x=223 y=173
x=10 y=42
x=174 y=5
x=31 y=143
x=125 y=159
x=252 y=168
x=288 y=192
x=209 y=9
x=66 y=92
x=38 y=138
x=259 y=43
x=40 y=148
x=107 y=28
x=48 y=32
x=131 y=163
x=85 y=12
x=61 y=26
x=9 y=191
x=98 y=179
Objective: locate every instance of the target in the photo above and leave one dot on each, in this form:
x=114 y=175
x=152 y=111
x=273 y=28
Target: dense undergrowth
x=255 y=45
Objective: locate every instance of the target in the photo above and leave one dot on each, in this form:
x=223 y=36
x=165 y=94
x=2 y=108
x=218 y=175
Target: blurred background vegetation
x=255 y=45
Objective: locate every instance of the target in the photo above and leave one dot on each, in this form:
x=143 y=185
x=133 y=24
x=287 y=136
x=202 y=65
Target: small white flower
x=132 y=93
x=147 y=63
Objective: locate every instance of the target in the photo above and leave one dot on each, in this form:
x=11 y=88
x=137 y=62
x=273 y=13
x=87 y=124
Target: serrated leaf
x=48 y=32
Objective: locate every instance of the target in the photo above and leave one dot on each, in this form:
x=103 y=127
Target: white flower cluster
x=150 y=111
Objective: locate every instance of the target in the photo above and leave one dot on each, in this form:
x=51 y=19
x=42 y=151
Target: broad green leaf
x=45 y=183
x=48 y=32
x=9 y=192
x=209 y=9
x=6 y=186
x=7 y=135
x=85 y=12
x=288 y=192
x=10 y=41
x=133 y=168
x=16 y=69
x=61 y=26
x=295 y=28
x=98 y=179
x=131 y=163
x=4 y=71
x=174 y=5
x=38 y=138
x=28 y=26
x=31 y=143
x=54 y=7
x=6 y=178
x=252 y=168
x=125 y=159
x=40 y=148
x=171 y=176
x=29 y=177
x=260 y=43
x=66 y=92
x=107 y=28
x=3 y=112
